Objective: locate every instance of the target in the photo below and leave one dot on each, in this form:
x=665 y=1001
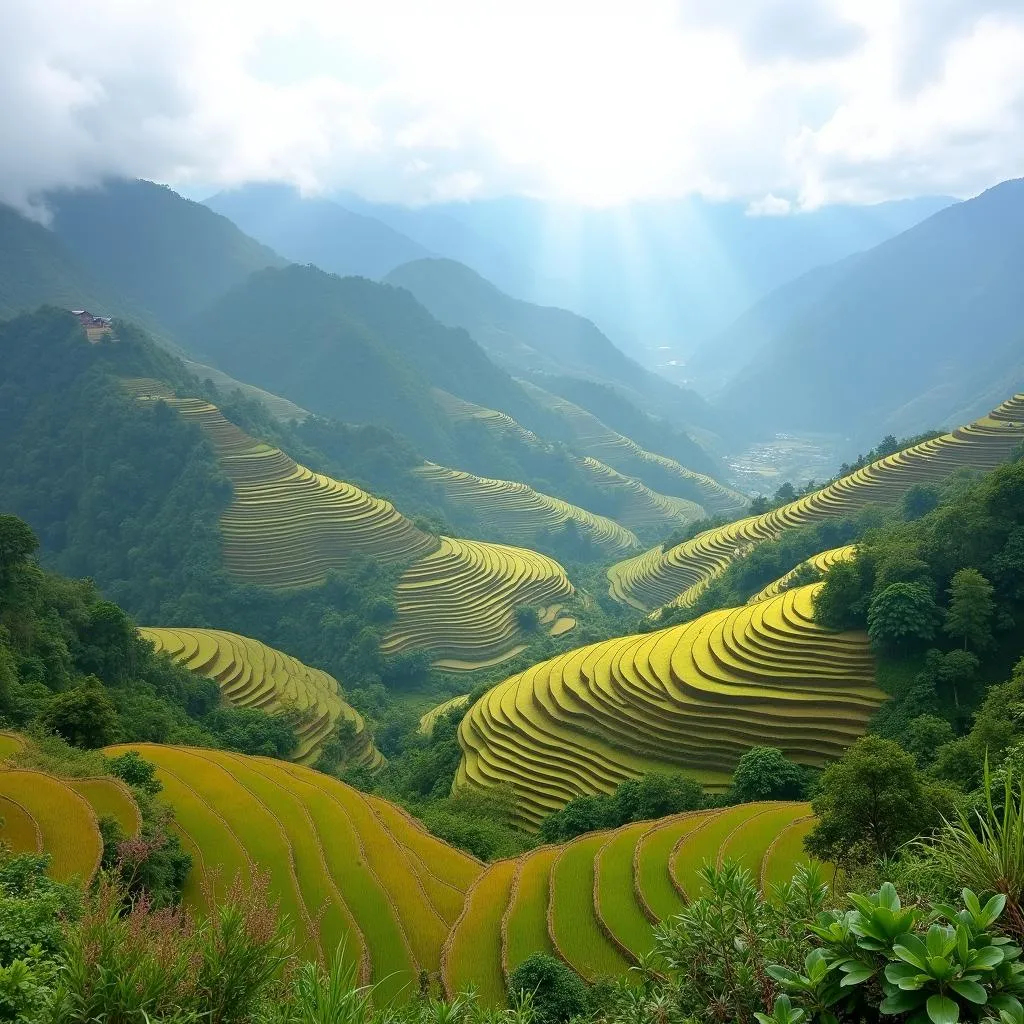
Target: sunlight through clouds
x=802 y=102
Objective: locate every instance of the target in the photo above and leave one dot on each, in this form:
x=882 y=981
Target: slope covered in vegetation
x=252 y=675
x=592 y=437
x=679 y=575
x=516 y=512
x=692 y=697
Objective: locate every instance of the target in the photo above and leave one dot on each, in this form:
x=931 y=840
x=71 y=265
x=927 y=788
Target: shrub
x=558 y=991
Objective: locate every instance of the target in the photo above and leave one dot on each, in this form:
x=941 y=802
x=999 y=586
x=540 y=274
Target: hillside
x=287 y=526
x=162 y=252
x=588 y=435
x=678 y=576
x=578 y=478
x=516 y=512
x=353 y=350
x=252 y=675
x=527 y=338
x=922 y=328
x=36 y=269
x=188 y=520
x=352 y=868
x=692 y=697
x=311 y=229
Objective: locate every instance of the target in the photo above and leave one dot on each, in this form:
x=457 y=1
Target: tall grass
x=984 y=849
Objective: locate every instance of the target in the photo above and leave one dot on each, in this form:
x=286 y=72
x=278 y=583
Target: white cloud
x=769 y=206
x=799 y=101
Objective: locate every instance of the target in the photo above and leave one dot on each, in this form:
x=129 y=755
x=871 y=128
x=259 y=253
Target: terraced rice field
x=822 y=562
x=517 y=513
x=594 y=901
x=678 y=576
x=9 y=744
x=252 y=675
x=429 y=718
x=344 y=866
x=639 y=507
x=42 y=813
x=287 y=526
x=110 y=798
x=458 y=603
x=596 y=439
x=349 y=867
x=688 y=698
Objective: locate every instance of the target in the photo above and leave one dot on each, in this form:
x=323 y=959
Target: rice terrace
x=486 y=548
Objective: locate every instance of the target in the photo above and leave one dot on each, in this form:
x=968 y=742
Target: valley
x=446 y=645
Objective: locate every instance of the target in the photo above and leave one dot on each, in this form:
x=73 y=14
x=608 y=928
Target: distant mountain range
x=926 y=329
x=660 y=277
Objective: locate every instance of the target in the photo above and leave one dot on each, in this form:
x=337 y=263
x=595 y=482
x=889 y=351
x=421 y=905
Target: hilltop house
x=96 y=327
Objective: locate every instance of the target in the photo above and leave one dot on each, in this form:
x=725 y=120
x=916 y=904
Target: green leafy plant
x=895 y=961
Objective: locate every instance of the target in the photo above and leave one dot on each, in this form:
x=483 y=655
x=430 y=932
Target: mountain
x=659 y=277
x=355 y=350
x=308 y=229
x=165 y=253
x=919 y=331
x=525 y=337
x=37 y=269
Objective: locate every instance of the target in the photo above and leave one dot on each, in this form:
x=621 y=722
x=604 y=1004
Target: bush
x=558 y=991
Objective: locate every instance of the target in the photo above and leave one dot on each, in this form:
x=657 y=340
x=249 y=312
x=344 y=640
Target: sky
x=779 y=104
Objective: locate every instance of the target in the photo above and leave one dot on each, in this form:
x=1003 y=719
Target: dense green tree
x=971 y=609
x=901 y=617
x=924 y=736
x=17 y=543
x=559 y=993
x=920 y=500
x=85 y=715
x=870 y=802
x=655 y=795
x=839 y=604
x=765 y=773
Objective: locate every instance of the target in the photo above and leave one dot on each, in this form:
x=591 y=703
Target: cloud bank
x=783 y=104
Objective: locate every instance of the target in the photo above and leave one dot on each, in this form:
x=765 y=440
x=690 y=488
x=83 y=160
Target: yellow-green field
x=252 y=675
x=678 y=576
x=822 y=562
x=44 y=814
x=344 y=866
x=354 y=869
x=287 y=526
x=458 y=603
x=688 y=698
x=517 y=513
x=595 y=900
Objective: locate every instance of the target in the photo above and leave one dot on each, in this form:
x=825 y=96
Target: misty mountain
x=161 y=251
x=658 y=277
x=307 y=229
x=355 y=350
x=527 y=338
x=923 y=330
x=37 y=269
